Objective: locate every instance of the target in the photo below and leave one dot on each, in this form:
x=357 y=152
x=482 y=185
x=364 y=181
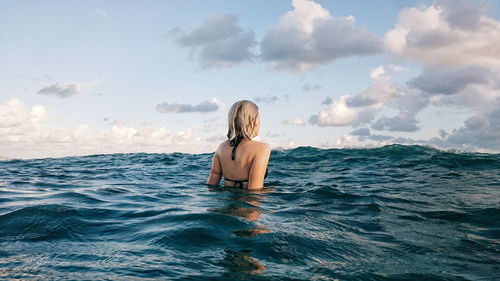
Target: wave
x=391 y=149
x=388 y=213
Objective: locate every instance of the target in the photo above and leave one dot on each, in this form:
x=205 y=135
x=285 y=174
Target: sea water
x=390 y=213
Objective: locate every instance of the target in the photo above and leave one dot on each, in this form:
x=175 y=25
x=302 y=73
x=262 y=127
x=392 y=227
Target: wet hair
x=241 y=120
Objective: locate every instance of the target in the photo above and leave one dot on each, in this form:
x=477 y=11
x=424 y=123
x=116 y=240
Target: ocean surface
x=390 y=213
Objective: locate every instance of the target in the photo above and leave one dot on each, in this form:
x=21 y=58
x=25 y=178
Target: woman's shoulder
x=257 y=146
x=261 y=146
x=222 y=145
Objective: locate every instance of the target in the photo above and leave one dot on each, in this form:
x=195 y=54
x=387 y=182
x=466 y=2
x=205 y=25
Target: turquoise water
x=390 y=213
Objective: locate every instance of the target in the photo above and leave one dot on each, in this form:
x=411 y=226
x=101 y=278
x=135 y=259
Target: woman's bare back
x=249 y=164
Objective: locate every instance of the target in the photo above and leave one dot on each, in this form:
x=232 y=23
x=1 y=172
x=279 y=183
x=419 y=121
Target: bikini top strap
x=237 y=181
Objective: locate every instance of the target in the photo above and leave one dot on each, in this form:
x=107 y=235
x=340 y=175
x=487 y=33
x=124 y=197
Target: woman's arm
x=259 y=166
x=215 y=171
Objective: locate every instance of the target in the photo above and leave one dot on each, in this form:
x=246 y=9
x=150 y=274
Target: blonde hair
x=241 y=120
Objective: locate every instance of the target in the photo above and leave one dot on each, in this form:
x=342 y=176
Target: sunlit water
x=390 y=213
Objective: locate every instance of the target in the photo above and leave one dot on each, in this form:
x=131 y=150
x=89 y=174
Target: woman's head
x=243 y=120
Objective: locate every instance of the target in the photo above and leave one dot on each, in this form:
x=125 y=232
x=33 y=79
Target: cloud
x=361 y=108
x=456 y=44
x=297 y=121
x=29 y=133
x=43 y=78
x=101 y=13
x=450 y=81
x=471 y=87
x=117 y=121
x=364 y=107
x=364 y=134
x=218 y=42
x=381 y=90
x=447 y=33
x=397 y=123
x=345 y=141
x=409 y=103
x=327 y=101
x=61 y=91
x=266 y=99
x=337 y=114
x=462 y=14
x=309 y=35
x=396 y=68
x=361 y=132
x=274 y=135
x=13 y=114
x=381 y=138
x=308 y=87
x=203 y=107
x=66 y=90
x=481 y=130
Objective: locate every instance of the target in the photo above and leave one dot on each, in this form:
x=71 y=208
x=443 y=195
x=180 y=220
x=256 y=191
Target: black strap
x=235 y=180
x=237 y=183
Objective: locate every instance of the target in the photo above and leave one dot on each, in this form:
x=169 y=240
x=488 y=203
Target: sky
x=93 y=77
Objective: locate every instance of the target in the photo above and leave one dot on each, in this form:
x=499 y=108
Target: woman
x=240 y=160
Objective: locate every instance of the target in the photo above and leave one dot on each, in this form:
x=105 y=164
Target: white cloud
x=480 y=132
x=101 y=13
x=296 y=121
x=472 y=87
x=337 y=114
x=346 y=141
x=309 y=35
x=281 y=144
x=409 y=103
x=266 y=99
x=396 y=68
x=218 y=42
x=203 y=107
x=377 y=72
x=363 y=107
x=381 y=90
x=456 y=41
x=449 y=33
x=13 y=114
x=117 y=121
x=29 y=133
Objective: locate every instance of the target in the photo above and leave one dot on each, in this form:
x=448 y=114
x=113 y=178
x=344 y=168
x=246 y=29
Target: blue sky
x=86 y=77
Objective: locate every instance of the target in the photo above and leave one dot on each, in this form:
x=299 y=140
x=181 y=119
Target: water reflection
x=241 y=262
x=251 y=232
x=243 y=204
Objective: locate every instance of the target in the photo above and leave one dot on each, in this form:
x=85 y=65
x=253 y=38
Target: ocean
x=390 y=213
